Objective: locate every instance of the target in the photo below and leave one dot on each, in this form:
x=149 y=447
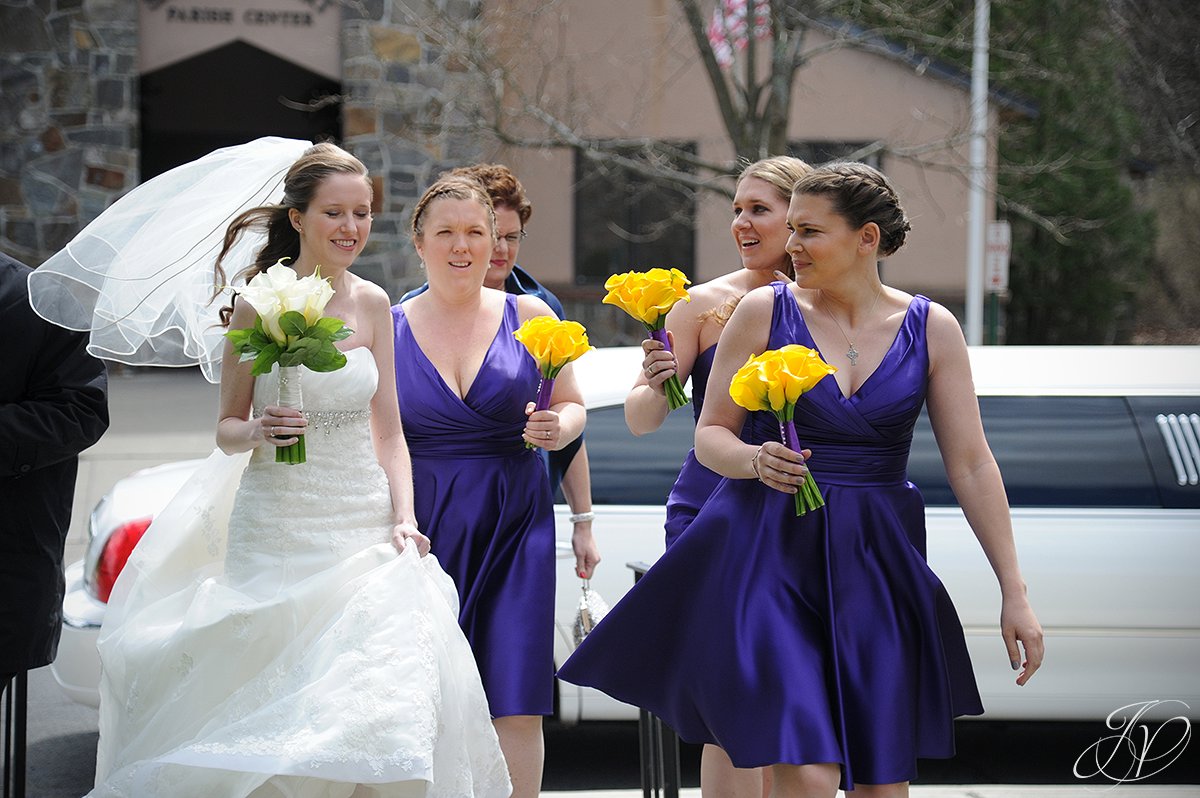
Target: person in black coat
x=53 y=405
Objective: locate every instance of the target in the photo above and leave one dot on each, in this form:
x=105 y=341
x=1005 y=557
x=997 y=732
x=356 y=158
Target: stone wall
x=400 y=86
x=69 y=123
x=68 y=118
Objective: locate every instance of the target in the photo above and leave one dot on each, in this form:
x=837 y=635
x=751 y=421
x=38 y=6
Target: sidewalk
x=155 y=416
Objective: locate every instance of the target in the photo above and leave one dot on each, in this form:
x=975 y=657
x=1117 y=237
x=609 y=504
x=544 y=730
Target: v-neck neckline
x=895 y=339
x=440 y=377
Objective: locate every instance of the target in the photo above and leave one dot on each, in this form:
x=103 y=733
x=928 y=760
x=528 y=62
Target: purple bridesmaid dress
x=484 y=501
x=695 y=482
x=824 y=638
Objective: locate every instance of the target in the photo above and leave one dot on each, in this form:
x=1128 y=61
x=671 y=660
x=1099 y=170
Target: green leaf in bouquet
x=266 y=358
x=299 y=352
x=328 y=358
x=329 y=328
x=259 y=340
x=240 y=340
x=292 y=323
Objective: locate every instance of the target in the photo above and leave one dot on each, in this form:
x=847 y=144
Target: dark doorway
x=231 y=95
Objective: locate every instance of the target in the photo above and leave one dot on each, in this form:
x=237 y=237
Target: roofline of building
x=924 y=64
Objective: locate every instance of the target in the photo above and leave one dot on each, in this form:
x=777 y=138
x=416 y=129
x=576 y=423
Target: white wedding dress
x=265 y=639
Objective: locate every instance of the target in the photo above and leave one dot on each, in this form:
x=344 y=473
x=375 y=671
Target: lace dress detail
x=266 y=640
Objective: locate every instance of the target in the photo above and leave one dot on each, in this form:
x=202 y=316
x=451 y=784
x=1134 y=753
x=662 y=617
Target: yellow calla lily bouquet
x=291 y=330
x=553 y=344
x=774 y=382
x=648 y=297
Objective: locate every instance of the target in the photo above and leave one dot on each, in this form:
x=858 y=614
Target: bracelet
x=579 y=518
x=754 y=463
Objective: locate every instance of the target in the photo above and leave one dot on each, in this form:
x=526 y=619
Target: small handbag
x=592 y=609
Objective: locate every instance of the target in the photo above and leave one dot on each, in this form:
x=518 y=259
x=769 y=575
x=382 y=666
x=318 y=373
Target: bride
x=280 y=630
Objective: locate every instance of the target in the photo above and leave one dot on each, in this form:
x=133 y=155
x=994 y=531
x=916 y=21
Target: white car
x=1098 y=446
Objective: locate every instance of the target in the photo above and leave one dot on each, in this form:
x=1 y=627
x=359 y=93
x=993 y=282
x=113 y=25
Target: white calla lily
x=279 y=290
x=266 y=303
x=316 y=298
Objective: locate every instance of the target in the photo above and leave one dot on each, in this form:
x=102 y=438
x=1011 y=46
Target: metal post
x=993 y=336
x=977 y=206
x=16 y=701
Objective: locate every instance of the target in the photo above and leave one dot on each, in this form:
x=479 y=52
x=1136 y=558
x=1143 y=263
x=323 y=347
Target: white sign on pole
x=999 y=245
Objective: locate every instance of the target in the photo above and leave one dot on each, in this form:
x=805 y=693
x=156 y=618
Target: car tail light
x=117 y=549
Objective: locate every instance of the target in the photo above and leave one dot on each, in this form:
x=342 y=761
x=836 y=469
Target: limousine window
x=1054 y=451
x=631 y=470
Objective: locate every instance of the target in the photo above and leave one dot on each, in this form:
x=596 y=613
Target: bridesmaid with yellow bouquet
x=482 y=495
x=823 y=645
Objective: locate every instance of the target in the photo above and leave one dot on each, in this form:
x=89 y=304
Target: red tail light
x=116 y=552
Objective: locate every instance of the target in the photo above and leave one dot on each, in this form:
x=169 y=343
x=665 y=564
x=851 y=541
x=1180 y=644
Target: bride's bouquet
x=774 y=382
x=648 y=297
x=291 y=330
x=553 y=344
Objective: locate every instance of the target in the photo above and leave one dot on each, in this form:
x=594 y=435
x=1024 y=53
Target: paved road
x=599 y=760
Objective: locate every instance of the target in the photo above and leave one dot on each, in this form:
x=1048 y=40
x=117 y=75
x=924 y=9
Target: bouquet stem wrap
x=290 y=396
x=542 y=402
x=545 y=390
x=676 y=398
x=808 y=497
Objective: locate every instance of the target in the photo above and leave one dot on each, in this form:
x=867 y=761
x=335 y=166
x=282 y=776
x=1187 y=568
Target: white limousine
x=1098 y=446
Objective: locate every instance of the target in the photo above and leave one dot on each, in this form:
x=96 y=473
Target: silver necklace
x=851 y=353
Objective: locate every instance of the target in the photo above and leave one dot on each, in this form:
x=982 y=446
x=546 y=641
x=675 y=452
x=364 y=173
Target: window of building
x=625 y=220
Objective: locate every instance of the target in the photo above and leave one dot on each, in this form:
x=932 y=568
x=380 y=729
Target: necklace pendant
x=852 y=353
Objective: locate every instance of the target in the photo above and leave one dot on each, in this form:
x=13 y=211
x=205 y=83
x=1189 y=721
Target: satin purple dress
x=823 y=638
x=695 y=482
x=484 y=501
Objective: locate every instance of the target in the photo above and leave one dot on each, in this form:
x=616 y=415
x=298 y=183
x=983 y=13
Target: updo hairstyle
x=860 y=194
x=451 y=186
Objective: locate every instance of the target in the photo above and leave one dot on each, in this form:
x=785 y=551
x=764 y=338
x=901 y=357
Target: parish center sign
x=305 y=32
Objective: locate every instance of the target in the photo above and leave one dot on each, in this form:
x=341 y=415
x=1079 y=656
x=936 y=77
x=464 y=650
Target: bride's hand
x=280 y=426
x=406 y=532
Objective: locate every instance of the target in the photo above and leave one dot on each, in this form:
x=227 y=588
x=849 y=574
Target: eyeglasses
x=513 y=239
